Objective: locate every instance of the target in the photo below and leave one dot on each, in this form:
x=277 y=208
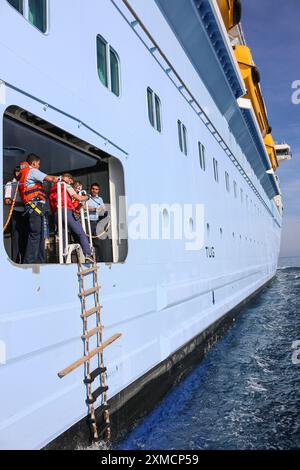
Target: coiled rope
x=11 y=209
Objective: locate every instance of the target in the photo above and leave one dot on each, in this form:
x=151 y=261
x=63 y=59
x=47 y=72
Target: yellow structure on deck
x=231 y=11
x=271 y=149
x=251 y=77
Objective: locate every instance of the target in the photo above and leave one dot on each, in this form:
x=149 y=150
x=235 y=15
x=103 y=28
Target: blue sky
x=272 y=31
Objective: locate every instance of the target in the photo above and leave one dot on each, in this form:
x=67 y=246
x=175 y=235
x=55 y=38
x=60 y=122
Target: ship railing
x=85 y=219
x=65 y=249
x=63 y=240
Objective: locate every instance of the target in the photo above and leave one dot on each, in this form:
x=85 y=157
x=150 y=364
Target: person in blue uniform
x=97 y=209
x=33 y=196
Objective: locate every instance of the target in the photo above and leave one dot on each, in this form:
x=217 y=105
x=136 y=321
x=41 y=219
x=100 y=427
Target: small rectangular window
x=242 y=196
x=182 y=137
x=37 y=14
x=185 y=150
x=17 y=4
x=154 y=109
x=114 y=72
x=108 y=66
x=227 y=180
x=158 y=113
x=150 y=106
x=216 y=170
x=201 y=149
x=102 y=60
x=235 y=189
x=34 y=11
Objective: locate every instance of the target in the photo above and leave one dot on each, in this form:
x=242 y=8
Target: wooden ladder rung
x=96 y=394
x=88 y=313
x=89 y=379
x=89 y=291
x=87 y=271
x=92 y=332
x=89 y=356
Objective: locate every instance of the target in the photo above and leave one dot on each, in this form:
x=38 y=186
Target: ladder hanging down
x=93 y=358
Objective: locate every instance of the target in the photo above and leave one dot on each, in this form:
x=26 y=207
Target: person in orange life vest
x=74 y=225
x=33 y=196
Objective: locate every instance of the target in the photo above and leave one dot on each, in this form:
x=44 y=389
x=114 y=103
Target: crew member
x=97 y=209
x=19 y=228
x=33 y=196
x=77 y=186
x=74 y=224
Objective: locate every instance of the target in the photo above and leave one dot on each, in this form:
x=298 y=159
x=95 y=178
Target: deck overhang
x=252 y=144
x=199 y=28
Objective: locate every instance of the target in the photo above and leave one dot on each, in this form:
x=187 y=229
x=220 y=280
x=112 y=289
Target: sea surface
x=245 y=394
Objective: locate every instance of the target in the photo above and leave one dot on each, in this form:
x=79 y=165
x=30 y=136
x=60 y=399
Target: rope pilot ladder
x=95 y=371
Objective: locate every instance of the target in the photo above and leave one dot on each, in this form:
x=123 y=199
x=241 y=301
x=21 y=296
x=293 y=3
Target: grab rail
x=63 y=242
x=85 y=219
x=64 y=247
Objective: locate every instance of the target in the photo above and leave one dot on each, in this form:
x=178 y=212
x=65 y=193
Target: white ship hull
x=162 y=296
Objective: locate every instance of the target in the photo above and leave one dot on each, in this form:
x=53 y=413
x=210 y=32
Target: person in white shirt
x=19 y=229
x=97 y=209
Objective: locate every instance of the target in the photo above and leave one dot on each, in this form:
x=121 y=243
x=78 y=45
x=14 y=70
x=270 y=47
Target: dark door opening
x=60 y=152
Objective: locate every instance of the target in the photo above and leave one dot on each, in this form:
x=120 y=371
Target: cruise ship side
x=159 y=101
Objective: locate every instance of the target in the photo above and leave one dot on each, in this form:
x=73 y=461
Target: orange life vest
x=53 y=199
x=35 y=191
x=77 y=205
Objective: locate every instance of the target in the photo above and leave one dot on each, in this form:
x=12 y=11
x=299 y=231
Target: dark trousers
x=76 y=230
x=19 y=235
x=96 y=241
x=35 y=248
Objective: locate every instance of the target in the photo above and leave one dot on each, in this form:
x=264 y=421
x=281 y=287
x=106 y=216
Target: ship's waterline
x=246 y=392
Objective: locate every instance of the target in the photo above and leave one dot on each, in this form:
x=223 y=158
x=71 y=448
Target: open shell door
x=119 y=230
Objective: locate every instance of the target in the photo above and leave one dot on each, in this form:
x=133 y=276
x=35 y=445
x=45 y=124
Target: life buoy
x=103 y=227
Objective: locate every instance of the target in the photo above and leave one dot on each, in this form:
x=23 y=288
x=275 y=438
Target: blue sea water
x=245 y=394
